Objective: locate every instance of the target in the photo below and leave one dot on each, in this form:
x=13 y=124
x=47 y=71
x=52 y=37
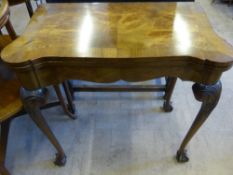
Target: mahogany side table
x=106 y=42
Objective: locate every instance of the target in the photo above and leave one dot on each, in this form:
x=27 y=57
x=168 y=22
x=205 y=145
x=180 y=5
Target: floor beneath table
x=127 y=133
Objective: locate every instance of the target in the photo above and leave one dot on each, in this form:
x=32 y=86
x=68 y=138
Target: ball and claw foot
x=181 y=156
x=60 y=160
x=167 y=107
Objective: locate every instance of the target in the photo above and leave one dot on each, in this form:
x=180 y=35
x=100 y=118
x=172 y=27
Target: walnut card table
x=107 y=42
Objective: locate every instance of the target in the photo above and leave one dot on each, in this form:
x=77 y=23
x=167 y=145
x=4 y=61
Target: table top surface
x=117 y=31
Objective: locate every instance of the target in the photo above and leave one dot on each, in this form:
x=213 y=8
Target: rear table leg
x=64 y=106
x=170 y=84
x=69 y=95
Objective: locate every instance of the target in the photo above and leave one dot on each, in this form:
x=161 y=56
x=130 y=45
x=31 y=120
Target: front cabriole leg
x=32 y=101
x=209 y=96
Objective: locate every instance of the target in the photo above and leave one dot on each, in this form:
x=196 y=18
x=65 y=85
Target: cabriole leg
x=209 y=96
x=32 y=101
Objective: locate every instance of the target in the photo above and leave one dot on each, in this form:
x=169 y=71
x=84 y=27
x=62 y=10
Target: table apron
x=35 y=76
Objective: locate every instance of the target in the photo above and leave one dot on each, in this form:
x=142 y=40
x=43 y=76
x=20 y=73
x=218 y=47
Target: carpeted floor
x=127 y=133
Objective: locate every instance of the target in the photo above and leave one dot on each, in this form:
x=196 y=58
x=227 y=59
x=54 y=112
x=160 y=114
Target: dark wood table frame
x=120 y=41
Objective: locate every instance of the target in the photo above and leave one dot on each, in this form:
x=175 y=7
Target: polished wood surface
x=130 y=30
x=116 y=41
